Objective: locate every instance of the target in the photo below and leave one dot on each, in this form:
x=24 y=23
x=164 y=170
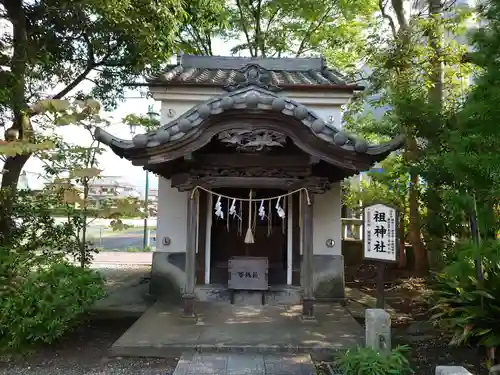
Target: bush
x=368 y=361
x=34 y=230
x=465 y=306
x=43 y=305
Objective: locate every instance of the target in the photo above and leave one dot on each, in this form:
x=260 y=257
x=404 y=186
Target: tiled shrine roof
x=229 y=72
x=248 y=98
x=252 y=99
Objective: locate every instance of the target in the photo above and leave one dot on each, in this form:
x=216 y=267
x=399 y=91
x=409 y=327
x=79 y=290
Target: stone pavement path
x=244 y=364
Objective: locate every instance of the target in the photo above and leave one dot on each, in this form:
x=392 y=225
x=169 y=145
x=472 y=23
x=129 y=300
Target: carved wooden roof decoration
x=250 y=108
x=233 y=73
x=254 y=140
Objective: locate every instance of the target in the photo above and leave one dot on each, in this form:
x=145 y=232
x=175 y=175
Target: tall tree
x=56 y=45
x=409 y=76
x=59 y=44
x=469 y=163
x=207 y=21
x=285 y=28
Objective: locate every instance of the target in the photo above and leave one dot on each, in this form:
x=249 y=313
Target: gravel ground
x=428 y=354
x=84 y=352
x=117 y=274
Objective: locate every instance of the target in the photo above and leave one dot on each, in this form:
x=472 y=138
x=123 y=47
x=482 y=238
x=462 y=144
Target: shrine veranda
x=250 y=163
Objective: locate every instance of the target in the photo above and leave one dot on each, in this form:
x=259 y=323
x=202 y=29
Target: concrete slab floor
x=127 y=293
x=244 y=364
x=221 y=327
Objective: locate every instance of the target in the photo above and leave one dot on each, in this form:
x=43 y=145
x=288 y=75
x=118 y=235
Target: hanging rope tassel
x=284 y=221
x=254 y=223
x=240 y=220
x=249 y=236
x=227 y=216
x=269 y=220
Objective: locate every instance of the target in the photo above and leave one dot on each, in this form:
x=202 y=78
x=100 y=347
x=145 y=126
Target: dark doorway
x=270 y=234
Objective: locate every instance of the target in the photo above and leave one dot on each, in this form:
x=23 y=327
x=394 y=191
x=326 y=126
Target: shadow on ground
x=127 y=290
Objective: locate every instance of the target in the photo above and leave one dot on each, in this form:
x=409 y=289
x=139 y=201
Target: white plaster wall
x=176 y=101
x=171 y=110
x=326 y=221
x=329 y=113
x=172 y=217
x=327 y=104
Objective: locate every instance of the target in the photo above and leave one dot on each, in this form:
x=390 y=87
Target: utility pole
x=145 y=242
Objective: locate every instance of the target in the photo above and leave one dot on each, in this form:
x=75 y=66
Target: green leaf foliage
x=388 y=185
x=115 y=40
x=284 y=28
x=463 y=156
x=465 y=307
x=41 y=295
x=106 y=43
x=144 y=121
x=403 y=87
x=45 y=304
x=35 y=233
x=368 y=361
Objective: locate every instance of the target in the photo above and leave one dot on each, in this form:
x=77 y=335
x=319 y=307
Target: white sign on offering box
x=380 y=234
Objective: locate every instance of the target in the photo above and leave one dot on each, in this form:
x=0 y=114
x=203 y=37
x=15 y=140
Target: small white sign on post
x=380 y=234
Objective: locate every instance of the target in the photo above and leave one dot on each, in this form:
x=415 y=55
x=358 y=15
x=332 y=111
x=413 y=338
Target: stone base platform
x=221 y=327
x=244 y=364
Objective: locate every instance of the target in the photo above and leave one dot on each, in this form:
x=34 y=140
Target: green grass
x=148 y=249
x=128 y=250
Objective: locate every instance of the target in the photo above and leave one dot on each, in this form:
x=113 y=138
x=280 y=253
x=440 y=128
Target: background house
x=110 y=188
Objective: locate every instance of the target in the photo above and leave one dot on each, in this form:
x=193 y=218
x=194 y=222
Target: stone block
x=352 y=252
x=245 y=364
x=167 y=277
x=495 y=370
x=378 y=329
x=328 y=278
x=452 y=370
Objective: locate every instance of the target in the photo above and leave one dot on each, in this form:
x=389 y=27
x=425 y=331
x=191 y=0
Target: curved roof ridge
x=248 y=98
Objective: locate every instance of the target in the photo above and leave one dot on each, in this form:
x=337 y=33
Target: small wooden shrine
x=250 y=161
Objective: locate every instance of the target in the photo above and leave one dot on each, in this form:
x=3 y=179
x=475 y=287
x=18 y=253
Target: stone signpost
x=378 y=330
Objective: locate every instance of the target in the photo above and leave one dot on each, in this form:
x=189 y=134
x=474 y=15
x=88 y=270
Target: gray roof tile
x=226 y=71
x=240 y=100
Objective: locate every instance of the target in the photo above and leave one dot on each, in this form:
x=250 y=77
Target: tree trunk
x=419 y=253
x=14 y=165
x=83 y=249
x=12 y=171
x=402 y=242
x=436 y=92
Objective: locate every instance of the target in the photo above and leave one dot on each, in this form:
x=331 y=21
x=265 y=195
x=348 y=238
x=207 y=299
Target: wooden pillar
x=307 y=257
x=190 y=265
x=202 y=237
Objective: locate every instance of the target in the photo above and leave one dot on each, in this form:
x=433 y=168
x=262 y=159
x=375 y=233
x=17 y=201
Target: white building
x=110 y=188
